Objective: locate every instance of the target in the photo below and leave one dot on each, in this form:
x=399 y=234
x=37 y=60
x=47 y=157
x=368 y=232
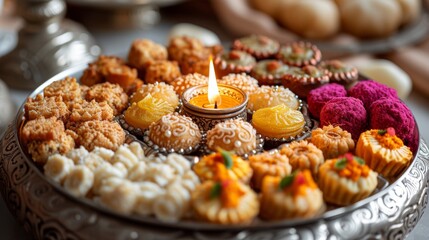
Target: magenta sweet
x=369 y=91
x=346 y=112
x=392 y=112
x=317 y=98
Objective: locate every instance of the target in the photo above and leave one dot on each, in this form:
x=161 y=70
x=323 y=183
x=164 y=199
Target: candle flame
x=213 y=91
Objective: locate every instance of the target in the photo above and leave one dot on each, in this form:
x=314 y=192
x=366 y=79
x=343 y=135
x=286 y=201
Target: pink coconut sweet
x=346 y=112
x=369 y=91
x=392 y=112
x=317 y=98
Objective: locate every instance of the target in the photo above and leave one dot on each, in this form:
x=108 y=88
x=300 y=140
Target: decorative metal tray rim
x=385 y=212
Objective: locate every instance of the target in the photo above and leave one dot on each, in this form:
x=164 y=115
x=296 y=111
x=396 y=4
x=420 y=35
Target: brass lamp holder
x=47 y=44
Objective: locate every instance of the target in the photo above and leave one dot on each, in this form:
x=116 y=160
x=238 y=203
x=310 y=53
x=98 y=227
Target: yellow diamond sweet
x=278 y=122
x=146 y=111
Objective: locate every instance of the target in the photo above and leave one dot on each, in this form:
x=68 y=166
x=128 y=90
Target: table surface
x=117 y=42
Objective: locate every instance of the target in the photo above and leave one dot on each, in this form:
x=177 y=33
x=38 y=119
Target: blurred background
x=388 y=42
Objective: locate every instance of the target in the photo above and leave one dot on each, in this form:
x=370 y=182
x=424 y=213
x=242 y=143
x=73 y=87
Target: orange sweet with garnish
x=223 y=165
x=383 y=151
x=346 y=180
x=225 y=202
x=292 y=196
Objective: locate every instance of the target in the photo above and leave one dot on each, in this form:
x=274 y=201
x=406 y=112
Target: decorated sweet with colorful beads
x=383 y=151
x=346 y=180
x=291 y=196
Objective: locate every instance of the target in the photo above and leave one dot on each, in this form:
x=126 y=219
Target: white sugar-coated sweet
x=138 y=172
x=124 y=155
x=77 y=155
x=104 y=153
x=104 y=172
x=172 y=206
x=121 y=198
x=387 y=73
x=146 y=197
x=79 y=181
x=179 y=163
x=137 y=149
x=58 y=167
x=93 y=161
x=206 y=36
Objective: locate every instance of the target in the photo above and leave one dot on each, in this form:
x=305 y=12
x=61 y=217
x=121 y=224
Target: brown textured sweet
x=302 y=80
x=186 y=81
x=333 y=141
x=269 y=72
x=180 y=46
x=234 y=61
x=271 y=96
x=174 y=131
x=235 y=202
x=232 y=135
x=46 y=107
x=105 y=134
x=191 y=54
x=41 y=150
x=303 y=155
x=122 y=75
x=243 y=81
x=162 y=71
x=339 y=72
x=259 y=46
x=268 y=164
x=42 y=129
x=144 y=52
x=111 y=69
x=88 y=111
x=67 y=88
x=299 y=54
x=113 y=94
x=157 y=90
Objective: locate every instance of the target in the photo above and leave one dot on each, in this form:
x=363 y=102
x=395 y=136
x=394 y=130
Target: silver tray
x=49 y=212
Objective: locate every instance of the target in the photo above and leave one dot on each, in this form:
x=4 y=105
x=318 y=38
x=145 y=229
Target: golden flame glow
x=213 y=91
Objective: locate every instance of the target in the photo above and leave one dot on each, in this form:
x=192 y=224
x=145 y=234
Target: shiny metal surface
x=47 y=210
x=47 y=44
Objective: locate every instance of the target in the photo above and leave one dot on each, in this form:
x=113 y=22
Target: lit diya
x=210 y=104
